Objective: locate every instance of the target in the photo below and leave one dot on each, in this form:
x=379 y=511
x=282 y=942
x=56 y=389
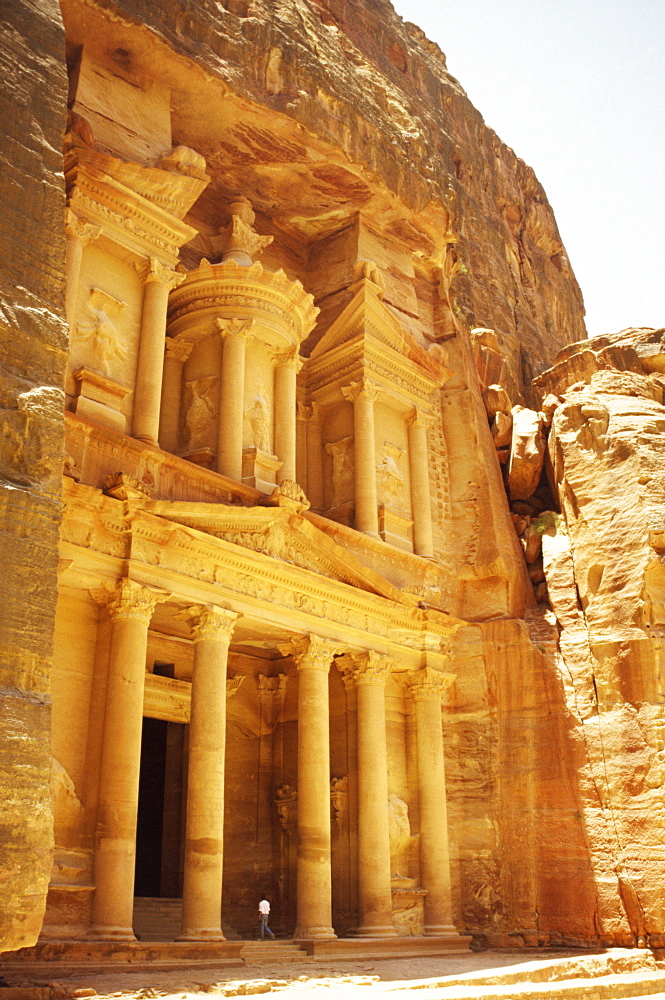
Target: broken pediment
x=280 y=533
x=367 y=336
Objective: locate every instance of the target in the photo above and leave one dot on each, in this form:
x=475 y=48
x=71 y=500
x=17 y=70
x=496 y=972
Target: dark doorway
x=160 y=812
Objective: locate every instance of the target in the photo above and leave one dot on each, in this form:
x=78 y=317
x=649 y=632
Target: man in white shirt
x=264 y=911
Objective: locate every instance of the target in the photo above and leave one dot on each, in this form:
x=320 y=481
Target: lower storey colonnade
x=302 y=816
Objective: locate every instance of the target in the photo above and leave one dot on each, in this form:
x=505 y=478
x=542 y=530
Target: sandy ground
x=336 y=979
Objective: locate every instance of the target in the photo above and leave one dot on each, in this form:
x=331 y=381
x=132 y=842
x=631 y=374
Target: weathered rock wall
x=33 y=91
x=376 y=89
x=603 y=560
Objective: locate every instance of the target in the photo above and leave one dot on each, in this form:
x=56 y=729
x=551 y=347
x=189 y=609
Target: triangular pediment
x=367 y=318
x=277 y=533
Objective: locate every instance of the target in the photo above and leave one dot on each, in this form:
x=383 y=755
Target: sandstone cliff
x=389 y=122
x=32 y=349
x=555 y=733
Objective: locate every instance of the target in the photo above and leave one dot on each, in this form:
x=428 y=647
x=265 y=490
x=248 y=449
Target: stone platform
x=56 y=959
x=375 y=948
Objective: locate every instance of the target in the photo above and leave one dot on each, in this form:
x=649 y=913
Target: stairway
x=272 y=952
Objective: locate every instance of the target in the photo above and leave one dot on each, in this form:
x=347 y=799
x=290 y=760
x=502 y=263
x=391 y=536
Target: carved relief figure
x=100 y=328
x=389 y=470
x=399 y=831
x=342 y=470
x=199 y=413
x=258 y=414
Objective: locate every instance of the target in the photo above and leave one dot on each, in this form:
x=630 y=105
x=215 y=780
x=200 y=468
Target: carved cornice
x=125 y=216
x=98 y=531
x=207 y=621
x=226 y=290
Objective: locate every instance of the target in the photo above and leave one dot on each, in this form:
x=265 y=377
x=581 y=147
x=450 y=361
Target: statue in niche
x=258 y=414
x=390 y=473
x=100 y=328
x=199 y=413
x=342 y=470
x=399 y=832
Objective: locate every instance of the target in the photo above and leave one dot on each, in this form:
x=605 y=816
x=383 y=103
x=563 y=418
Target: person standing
x=264 y=912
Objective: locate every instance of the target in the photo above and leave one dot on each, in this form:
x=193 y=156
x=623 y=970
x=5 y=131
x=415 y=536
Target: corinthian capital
x=76 y=228
x=130 y=601
x=153 y=271
x=311 y=652
x=207 y=621
x=178 y=349
x=364 y=389
x=367 y=668
x=289 y=358
x=428 y=684
x=235 y=327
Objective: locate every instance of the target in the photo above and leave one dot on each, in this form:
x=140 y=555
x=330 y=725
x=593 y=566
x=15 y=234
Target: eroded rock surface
x=32 y=343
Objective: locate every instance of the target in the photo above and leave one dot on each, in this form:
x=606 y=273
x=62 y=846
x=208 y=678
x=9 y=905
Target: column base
x=201 y=934
x=311 y=933
x=371 y=534
x=440 y=930
x=110 y=933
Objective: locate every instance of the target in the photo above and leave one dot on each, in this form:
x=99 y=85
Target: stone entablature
x=101 y=534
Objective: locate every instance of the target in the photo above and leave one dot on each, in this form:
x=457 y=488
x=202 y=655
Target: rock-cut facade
x=332 y=551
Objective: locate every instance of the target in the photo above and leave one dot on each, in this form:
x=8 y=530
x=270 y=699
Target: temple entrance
x=160 y=830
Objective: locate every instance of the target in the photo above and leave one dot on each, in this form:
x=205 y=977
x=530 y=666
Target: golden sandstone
x=352 y=592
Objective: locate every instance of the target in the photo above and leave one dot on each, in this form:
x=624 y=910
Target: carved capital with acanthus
x=367 y=667
x=241 y=328
x=207 y=621
x=311 y=652
x=418 y=418
x=178 y=349
x=132 y=602
x=241 y=239
x=428 y=684
x=364 y=389
x=288 y=359
x=77 y=229
x=152 y=271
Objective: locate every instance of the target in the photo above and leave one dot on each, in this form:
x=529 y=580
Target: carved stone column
x=130 y=609
x=370 y=672
x=421 y=508
x=315 y=458
x=235 y=333
x=204 y=839
x=287 y=365
x=158 y=281
x=78 y=234
x=363 y=395
x=176 y=353
x=313 y=657
x=427 y=687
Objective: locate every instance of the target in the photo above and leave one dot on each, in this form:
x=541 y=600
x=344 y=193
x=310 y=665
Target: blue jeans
x=264 y=926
